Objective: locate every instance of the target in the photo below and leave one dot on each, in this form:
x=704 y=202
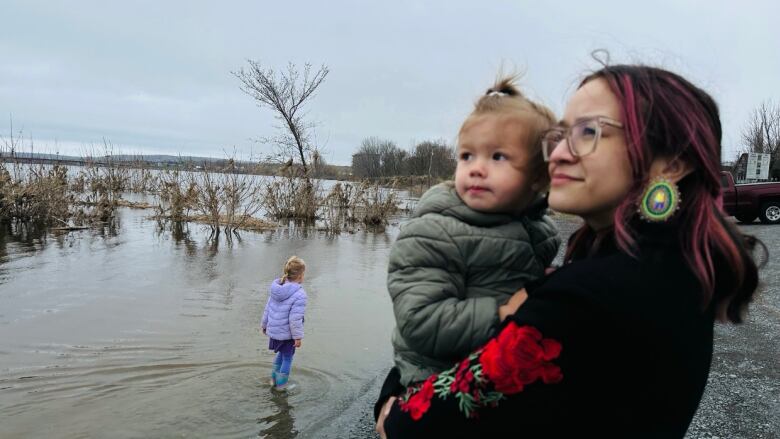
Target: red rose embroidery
x=518 y=357
x=420 y=402
x=463 y=378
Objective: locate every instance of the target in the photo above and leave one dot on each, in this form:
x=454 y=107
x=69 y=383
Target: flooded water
x=135 y=333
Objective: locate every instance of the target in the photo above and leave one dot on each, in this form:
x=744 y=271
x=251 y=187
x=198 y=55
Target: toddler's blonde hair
x=293 y=269
x=504 y=97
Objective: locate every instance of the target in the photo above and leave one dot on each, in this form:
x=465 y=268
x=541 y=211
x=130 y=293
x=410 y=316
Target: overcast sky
x=155 y=76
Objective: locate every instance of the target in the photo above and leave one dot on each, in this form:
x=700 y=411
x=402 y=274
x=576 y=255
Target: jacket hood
x=444 y=200
x=281 y=292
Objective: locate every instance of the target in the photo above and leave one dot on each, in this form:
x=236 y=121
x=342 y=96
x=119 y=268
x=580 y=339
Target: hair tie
x=496 y=93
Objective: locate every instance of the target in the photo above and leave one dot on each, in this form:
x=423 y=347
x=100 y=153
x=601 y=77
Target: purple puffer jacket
x=283 y=315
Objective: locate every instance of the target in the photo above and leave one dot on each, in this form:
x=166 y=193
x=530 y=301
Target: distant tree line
x=378 y=158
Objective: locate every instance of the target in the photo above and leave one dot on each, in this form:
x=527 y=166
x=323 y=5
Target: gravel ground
x=742 y=398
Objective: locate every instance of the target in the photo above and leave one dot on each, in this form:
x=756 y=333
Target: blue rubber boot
x=275 y=370
x=282 y=382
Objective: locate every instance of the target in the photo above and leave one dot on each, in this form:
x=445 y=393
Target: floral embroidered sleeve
x=517 y=357
x=522 y=379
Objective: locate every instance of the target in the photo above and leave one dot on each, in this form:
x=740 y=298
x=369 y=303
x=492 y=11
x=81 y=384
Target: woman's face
x=594 y=185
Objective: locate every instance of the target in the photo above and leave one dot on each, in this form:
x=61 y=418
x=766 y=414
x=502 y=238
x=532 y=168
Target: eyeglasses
x=582 y=137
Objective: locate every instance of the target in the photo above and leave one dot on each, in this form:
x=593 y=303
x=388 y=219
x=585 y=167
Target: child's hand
x=512 y=305
x=298 y=343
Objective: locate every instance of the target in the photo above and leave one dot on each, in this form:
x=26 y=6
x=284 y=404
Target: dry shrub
x=36 y=195
x=378 y=204
x=367 y=203
x=142 y=180
x=242 y=199
x=178 y=194
x=79 y=183
x=221 y=201
x=208 y=199
x=291 y=197
x=103 y=186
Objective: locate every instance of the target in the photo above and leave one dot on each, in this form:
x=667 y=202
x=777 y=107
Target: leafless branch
x=286 y=94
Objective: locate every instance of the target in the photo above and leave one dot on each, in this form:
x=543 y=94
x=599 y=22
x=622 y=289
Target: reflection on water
x=26 y=239
x=141 y=332
x=282 y=423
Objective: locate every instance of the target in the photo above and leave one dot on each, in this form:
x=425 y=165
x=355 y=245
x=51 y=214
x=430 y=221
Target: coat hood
x=281 y=292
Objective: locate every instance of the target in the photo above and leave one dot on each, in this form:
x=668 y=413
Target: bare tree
x=432 y=158
x=10 y=146
x=762 y=132
x=367 y=161
x=286 y=93
x=378 y=158
x=393 y=159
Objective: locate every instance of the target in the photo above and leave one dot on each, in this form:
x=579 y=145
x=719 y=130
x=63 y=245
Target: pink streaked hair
x=665 y=115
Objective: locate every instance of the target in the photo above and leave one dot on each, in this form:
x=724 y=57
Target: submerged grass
x=68 y=199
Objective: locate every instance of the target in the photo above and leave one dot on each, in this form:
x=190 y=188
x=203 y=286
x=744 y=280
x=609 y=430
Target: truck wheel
x=747 y=219
x=770 y=212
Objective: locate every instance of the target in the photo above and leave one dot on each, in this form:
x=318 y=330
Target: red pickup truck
x=748 y=201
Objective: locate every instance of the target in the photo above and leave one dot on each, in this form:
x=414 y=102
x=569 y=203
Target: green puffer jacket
x=450 y=269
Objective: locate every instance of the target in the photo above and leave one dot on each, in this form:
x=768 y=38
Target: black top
x=609 y=345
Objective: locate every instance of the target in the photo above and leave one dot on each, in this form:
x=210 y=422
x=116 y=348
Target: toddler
x=474 y=242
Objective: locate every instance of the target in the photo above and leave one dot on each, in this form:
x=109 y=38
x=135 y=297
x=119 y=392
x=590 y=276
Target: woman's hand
x=512 y=305
x=380 y=423
x=298 y=343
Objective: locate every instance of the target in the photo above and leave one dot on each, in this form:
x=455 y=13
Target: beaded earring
x=660 y=200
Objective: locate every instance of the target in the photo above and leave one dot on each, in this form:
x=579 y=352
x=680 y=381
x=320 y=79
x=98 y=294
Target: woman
x=618 y=341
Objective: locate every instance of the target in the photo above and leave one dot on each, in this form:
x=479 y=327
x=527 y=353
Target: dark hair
x=664 y=115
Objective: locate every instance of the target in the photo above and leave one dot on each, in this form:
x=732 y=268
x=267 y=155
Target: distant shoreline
x=200 y=164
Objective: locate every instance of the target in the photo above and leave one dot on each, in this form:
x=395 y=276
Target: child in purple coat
x=283 y=319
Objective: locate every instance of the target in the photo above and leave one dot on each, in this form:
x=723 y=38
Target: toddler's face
x=491 y=175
